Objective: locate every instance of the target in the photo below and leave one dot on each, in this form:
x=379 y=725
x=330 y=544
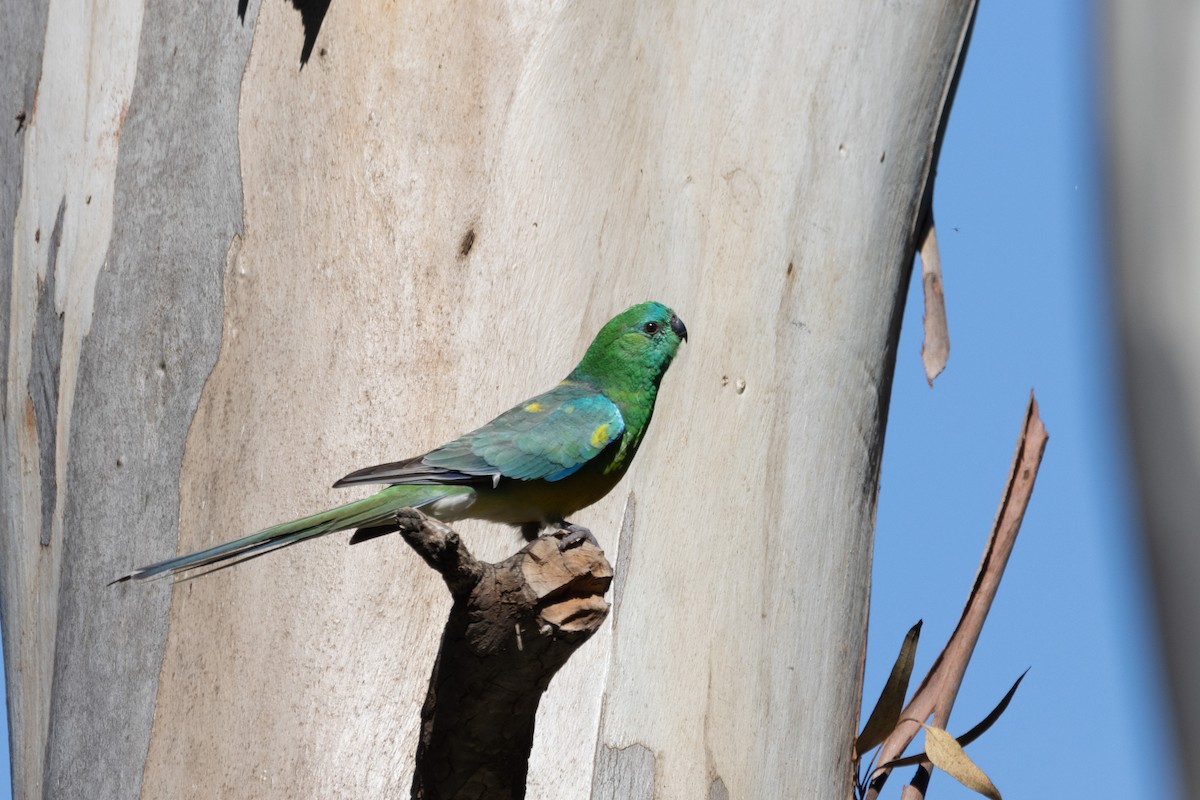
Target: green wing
x=546 y=438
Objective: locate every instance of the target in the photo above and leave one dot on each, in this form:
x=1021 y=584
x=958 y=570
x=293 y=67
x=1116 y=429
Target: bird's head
x=642 y=339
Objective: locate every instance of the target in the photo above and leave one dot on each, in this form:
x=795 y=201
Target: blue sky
x=1018 y=207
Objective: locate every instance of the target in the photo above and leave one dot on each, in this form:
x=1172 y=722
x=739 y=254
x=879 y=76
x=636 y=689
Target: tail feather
x=370 y=511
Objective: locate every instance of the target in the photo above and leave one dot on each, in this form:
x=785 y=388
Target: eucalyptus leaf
x=887 y=709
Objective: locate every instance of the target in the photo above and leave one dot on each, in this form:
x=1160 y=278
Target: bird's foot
x=571 y=535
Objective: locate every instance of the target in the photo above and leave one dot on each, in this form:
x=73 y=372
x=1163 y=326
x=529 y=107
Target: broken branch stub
x=511 y=628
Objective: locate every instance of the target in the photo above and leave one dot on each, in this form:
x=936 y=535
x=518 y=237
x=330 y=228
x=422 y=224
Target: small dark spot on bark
x=20 y=121
x=87 y=201
x=724 y=380
x=791 y=268
x=37 y=235
x=882 y=156
x=468 y=241
x=120 y=462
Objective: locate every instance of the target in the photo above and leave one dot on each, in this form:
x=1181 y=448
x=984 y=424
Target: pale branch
x=937 y=692
x=512 y=626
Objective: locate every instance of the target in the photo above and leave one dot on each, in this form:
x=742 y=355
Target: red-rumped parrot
x=532 y=466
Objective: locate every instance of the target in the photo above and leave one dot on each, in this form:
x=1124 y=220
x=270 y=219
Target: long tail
x=370 y=512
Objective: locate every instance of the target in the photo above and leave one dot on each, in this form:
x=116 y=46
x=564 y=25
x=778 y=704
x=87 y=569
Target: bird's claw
x=572 y=535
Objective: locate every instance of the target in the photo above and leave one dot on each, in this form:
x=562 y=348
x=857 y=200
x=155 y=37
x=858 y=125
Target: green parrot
x=532 y=466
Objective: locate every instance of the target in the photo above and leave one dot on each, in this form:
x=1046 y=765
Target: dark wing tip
x=358 y=476
x=367 y=534
x=380 y=473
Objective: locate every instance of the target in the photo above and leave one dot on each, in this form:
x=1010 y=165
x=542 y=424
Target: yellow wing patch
x=600 y=435
x=533 y=407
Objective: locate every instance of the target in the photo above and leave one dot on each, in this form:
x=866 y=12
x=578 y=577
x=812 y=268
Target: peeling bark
x=623 y=773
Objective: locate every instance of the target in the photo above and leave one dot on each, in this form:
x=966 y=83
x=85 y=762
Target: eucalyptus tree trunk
x=1154 y=125
x=230 y=280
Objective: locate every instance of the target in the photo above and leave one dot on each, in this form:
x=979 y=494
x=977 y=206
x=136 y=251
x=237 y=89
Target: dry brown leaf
x=887 y=709
x=967 y=737
x=947 y=755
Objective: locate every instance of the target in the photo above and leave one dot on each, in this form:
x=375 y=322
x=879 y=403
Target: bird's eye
x=650 y=327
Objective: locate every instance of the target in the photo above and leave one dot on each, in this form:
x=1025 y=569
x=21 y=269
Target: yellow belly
x=516 y=502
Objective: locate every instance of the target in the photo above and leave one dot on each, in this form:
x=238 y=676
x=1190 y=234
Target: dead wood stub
x=511 y=628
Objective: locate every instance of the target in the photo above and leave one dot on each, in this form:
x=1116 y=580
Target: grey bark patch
x=43 y=378
x=624 y=554
x=22 y=38
x=717 y=790
x=625 y=773
x=154 y=338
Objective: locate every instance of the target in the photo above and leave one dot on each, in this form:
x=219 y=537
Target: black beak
x=679 y=328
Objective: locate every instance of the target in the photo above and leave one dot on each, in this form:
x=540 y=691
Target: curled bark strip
x=935 y=350
x=937 y=692
x=512 y=626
